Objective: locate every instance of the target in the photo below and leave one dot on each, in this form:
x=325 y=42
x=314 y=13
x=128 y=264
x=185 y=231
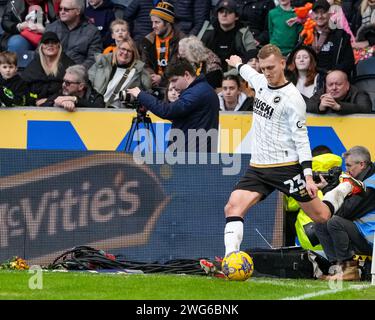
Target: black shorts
x=287 y=179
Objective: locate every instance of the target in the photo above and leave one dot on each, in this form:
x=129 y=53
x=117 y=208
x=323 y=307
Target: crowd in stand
x=127 y=44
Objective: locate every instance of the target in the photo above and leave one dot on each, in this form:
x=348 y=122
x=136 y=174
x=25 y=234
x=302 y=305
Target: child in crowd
x=13 y=89
x=120 y=32
x=172 y=93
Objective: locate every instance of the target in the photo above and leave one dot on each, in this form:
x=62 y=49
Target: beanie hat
x=164 y=10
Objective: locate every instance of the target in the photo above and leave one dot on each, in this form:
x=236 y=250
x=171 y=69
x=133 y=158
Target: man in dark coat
x=195 y=112
x=76 y=92
x=339 y=97
x=159 y=47
x=101 y=14
x=80 y=40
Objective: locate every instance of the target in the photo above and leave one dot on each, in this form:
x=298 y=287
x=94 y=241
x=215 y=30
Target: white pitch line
x=324 y=292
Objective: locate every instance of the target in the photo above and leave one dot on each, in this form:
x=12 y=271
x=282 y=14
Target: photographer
x=118 y=71
x=197 y=107
x=298 y=225
x=344 y=234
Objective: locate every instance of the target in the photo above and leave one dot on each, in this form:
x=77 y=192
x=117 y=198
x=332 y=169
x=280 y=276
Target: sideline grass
x=14 y=285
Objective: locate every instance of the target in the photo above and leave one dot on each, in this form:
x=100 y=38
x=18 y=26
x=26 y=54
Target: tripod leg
x=130 y=138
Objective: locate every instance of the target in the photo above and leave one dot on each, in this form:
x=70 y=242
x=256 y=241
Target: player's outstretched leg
x=348 y=186
x=235 y=210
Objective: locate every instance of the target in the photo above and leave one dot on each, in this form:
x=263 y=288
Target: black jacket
x=39 y=83
x=11 y=18
x=357 y=206
x=14 y=92
x=81 y=44
x=191 y=14
x=336 y=53
x=356 y=101
x=148 y=50
x=254 y=13
x=92 y=99
x=102 y=17
x=196 y=108
x=137 y=14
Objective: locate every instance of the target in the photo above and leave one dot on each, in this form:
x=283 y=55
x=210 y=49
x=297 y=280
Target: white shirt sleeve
x=297 y=123
x=250 y=75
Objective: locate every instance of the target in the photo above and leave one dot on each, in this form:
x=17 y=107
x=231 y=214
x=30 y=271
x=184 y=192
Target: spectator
x=191 y=14
x=137 y=14
x=76 y=91
x=118 y=71
x=252 y=59
x=338 y=18
x=339 y=97
x=302 y=71
x=364 y=28
x=254 y=14
x=226 y=37
x=333 y=47
x=232 y=98
x=172 y=93
x=298 y=223
x=364 y=15
x=14 y=91
x=80 y=40
x=197 y=108
x=22 y=30
x=203 y=59
x=345 y=233
x=101 y=14
x=119 y=32
x=45 y=72
x=282 y=34
x=161 y=45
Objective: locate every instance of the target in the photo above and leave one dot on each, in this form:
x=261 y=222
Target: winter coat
x=191 y=14
x=148 y=50
x=245 y=103
x=14 y=92
x=137 y=14
x=91 y=99
x=102 y=17
x=243 y=42
x=41 y=84
x=100 y=74
x=254 y=14
x=356 y=101
x=80 y=44
x=196 y=108
x=336 y=53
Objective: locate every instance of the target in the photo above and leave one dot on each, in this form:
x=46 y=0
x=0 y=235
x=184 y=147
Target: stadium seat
x=366 y=67
x=367 y=83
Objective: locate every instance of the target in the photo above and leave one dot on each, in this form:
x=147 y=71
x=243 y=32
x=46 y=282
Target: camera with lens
x=331 y=176
x=128 y=100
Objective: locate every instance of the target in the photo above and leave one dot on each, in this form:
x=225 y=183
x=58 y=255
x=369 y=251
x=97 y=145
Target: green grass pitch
x=18 y=285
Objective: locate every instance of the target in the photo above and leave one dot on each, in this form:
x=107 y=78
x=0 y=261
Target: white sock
x=337 y=195
x=233 y=234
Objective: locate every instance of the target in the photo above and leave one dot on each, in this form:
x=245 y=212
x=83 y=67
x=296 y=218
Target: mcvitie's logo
x=103 y=200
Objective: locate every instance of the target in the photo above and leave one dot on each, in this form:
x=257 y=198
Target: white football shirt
x=278 y=133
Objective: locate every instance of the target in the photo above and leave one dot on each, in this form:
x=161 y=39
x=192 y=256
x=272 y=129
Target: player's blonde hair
x=269 y=50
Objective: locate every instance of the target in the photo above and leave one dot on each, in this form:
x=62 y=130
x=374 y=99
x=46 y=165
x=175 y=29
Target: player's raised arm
x=233 y=61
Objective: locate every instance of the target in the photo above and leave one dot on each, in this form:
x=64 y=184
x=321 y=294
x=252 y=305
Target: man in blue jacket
x=195 y=114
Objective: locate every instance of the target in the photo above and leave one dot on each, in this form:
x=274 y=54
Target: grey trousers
x=340 y=239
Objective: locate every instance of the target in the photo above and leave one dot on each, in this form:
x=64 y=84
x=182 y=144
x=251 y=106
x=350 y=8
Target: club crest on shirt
x=277 y=99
